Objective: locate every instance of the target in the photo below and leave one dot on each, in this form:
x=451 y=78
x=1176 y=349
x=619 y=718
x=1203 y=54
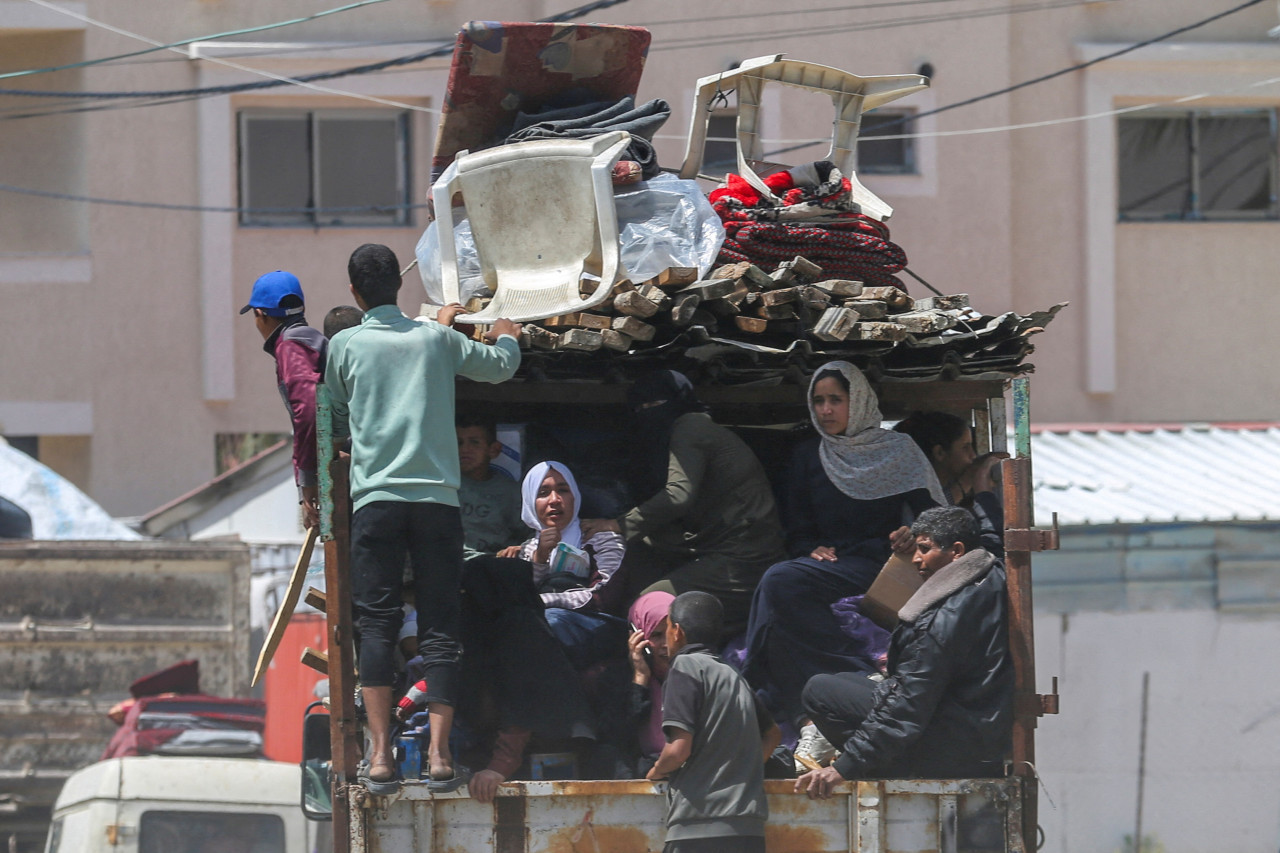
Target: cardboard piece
x=892 y=588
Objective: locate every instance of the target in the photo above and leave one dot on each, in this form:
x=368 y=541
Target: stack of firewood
x=743 y=302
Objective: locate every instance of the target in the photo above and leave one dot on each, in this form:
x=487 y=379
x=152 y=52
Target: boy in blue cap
x=299 y=351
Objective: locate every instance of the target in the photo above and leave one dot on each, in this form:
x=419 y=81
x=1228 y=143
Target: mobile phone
x=647 y=651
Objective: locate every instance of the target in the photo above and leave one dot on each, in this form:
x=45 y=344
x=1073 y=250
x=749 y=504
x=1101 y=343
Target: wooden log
x=713 y=288
x=633 y=328
x=703 y=317
x=779 y=297
x=891 y=296
x=587 y=340
x=564 y=321
x=754 y=275
x=615 y=340
x=655 y=295
x=750 y=325
x=925 y=322
x=868 y=309
x=943 y=303
x=633 y=304
x=840 y=287
x=675 y=277
x=723 y=308
x=836 y=324
x=880 y=332
x=682 y=308
x=594 y=321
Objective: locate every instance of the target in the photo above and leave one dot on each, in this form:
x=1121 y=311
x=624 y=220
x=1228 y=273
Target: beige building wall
x=121 y=336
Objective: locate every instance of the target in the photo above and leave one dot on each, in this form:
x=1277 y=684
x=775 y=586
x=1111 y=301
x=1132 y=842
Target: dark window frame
x=904 y=120
x=1192 y=209
x=401 y=216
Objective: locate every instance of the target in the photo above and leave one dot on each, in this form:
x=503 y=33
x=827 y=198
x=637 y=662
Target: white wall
x=1213 y=724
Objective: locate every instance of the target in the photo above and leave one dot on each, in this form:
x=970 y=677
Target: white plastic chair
x=851 y=95
x=542 y=214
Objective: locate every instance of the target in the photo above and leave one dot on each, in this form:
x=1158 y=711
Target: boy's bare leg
x=438 y=755
x=377 y=707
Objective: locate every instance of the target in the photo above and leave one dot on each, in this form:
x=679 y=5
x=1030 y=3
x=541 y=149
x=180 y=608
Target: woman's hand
x=902 y=541
x=510 y=552
x=640 y=670
x=592 y=526
x=548 y=539
x=824 y=553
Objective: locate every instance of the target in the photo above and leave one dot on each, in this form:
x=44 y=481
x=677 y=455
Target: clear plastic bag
x=664 y=222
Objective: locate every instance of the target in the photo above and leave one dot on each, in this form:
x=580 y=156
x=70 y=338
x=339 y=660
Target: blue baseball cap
x=271 y=294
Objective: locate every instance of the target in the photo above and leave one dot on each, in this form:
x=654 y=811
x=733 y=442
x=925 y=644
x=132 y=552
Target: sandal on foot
x=381 y=788
x=461 y=776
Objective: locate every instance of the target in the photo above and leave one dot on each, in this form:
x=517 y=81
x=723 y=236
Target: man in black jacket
x=945 y=707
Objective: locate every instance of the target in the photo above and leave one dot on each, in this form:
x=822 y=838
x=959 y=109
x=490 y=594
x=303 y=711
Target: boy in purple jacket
x=299 y=351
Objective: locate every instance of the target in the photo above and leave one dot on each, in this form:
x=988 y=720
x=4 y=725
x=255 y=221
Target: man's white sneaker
x=813 y=751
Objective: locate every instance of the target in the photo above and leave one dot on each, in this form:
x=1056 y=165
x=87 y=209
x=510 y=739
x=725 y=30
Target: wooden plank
x=868 y=309
x=315 y=598
x=733 y=271
x=291 y=595
x=656 y=295
x=779 y=297
x=712 y=288
x=674 y=277
x=925 y=322
x=943 y=303
x=633 y=304
x=615 y=340
x=587 y=340
x=633 y=328
x=840 y=287
x=317 y=660
x=880 y=332
x=806 y=268
x=683 y=306
x=751 y=325
x=836 y=324
x=783 y=276
x=594 y=321
x=776 y=312
x=540 y=338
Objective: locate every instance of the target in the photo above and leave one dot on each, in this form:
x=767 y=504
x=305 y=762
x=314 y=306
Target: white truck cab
x=169 y=804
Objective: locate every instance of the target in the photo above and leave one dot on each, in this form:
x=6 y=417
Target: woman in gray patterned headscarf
x=852 y=491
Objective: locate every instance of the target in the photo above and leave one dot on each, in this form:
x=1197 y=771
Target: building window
x=720 y=151
x=1197 y=164
x=334 y=167
x=880 y=153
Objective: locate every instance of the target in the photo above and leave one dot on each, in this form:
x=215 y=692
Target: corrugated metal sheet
x=1191 y=473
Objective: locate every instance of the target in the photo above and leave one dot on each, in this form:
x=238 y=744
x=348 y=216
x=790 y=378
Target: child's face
x=476 y=451
x=661 y=662
x=675 y=638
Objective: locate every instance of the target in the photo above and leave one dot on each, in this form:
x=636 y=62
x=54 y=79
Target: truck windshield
x=210 y=832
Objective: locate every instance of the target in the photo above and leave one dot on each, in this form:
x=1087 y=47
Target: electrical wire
x=200 y=208
x=865 y=26
x=176 y=44
x=793 y=12
x=231 y=89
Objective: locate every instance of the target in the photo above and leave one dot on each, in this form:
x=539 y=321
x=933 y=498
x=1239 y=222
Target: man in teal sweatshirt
x=391 y=385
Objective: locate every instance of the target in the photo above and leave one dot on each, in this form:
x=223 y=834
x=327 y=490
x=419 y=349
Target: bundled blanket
x=583 y=121
x=817 y=218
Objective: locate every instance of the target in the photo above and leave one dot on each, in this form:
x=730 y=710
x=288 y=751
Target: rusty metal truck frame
x=864 y=809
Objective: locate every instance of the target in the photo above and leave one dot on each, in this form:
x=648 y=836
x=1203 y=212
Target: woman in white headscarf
x=570 y=580
x=852 y=491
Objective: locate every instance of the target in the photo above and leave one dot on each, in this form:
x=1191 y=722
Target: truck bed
x=879 y=816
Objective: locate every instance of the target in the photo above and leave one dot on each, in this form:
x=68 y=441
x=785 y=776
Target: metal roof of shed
x=1100 y=474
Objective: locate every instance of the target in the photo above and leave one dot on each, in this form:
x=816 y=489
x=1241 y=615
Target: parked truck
x=80 y=621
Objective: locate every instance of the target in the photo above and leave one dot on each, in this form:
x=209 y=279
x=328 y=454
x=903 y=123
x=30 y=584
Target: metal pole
x=1019 y=515
x=335 y=527
x=1142 y=764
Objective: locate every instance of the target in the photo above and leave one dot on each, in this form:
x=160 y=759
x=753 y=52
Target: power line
x=231 y=89
x=1051 y=75
x=887 y=23
x=176 y=44
x=793 y=12
x=199 y=208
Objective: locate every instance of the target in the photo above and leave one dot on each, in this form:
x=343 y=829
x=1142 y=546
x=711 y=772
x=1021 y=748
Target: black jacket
x=945 y=710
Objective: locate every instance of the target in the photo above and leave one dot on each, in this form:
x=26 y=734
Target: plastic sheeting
x=58 y=509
